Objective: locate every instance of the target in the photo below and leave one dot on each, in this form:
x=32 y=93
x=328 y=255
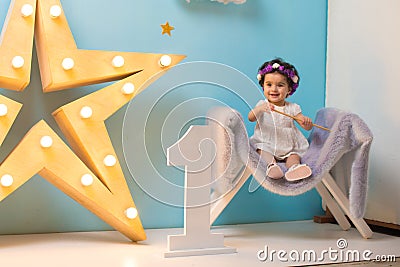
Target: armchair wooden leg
x=333 y=207
x=342 y=200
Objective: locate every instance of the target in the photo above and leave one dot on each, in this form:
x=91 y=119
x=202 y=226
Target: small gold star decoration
x=166 y=28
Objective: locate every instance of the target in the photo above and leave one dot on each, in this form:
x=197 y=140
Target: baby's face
x=276 y=88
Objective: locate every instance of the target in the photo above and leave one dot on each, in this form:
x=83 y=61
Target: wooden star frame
x=92 y=176
x=16 y=42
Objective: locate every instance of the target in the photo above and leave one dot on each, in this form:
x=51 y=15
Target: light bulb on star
x=6 y=180
x=26 y=10
x=55 y=11
x=86 y=112
x=68 y=63
x=17 y=62
x=128 y=88
x=165 y=61
x=3 y=110
x=87 y=179
x=131 y=213
x=110 y=161
x=118 y=61
x=46 y=141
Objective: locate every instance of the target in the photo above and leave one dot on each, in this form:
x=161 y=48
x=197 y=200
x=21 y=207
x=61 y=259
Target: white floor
x=110 y=248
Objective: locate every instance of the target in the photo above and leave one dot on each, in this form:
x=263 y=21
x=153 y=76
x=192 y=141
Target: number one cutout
x=196 y=151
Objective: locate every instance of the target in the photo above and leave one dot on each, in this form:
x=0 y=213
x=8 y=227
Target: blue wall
x=239 y=36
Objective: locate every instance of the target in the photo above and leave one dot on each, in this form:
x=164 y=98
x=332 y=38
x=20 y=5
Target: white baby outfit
x=284 y=139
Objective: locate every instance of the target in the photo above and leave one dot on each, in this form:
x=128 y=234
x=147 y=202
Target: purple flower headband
x=288 y=72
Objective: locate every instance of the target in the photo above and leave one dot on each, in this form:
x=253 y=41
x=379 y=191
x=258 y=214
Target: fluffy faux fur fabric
x=344 y=150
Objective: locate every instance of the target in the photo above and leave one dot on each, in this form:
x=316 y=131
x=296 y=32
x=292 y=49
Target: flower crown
x=290 y=73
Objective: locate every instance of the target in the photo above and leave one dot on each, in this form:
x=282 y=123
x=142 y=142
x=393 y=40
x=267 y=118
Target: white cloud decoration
x=227 y=1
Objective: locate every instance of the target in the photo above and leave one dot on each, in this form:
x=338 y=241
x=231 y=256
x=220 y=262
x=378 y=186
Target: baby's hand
x=262 y=108
x=306 y=122
x=259 y=110
x=271 y=106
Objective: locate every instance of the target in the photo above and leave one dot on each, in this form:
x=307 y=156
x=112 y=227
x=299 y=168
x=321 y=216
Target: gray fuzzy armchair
x=342 y=153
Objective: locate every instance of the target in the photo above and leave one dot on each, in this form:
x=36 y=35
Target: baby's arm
x=257 y=111
x=304 y=121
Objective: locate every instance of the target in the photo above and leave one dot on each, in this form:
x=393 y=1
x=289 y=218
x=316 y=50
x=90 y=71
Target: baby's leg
x=268 y=157
x=273 y=170
x=292 y=160
x=296 y=170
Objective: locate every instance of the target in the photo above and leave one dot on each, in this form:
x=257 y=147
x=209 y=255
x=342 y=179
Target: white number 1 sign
x=196 y=151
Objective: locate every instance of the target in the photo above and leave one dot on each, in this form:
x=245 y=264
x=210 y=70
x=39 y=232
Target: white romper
x=284 y=139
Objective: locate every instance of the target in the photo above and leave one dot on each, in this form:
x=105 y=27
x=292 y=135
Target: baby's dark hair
x=282 y=67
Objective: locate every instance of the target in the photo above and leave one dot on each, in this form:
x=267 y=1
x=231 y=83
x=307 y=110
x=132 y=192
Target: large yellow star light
x=90 y=173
